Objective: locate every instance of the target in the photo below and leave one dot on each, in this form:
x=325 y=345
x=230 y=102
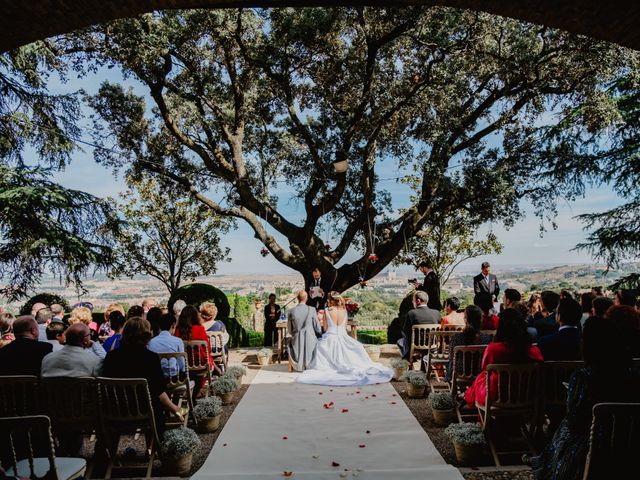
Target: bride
x=340 y=360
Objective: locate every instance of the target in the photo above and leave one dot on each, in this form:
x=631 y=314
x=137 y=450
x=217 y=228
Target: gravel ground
x=418 y=406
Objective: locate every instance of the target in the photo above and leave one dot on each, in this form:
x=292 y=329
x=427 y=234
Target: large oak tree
x=245 y=102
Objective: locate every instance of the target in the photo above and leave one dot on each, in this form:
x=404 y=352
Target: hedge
x=375 y=337
x=47 y=298
x=198 y=293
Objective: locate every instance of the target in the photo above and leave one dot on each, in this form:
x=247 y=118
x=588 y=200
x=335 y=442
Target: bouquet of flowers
x=352 y=308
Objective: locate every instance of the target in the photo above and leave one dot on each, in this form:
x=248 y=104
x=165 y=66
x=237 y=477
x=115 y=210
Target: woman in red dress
x=511 y=344
x=490 y=320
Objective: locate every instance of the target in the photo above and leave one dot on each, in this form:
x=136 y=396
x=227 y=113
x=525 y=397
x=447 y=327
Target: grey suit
x=303 y=326
x=420 y=315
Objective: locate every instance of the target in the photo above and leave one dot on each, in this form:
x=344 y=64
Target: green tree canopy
x=246 y=103
x=168 y=237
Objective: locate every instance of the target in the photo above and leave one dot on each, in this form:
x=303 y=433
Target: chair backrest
x=195 y=359
x=30 y=435
x=467 y=364
x=553 y=392
x=614 y=441
x=125 y=406
x=438 y=344
x=18 y=395
x=172 y=361
x=217 y=343
x=420 y=335
x=71 y=403
x=490 y=333
x=518 y=387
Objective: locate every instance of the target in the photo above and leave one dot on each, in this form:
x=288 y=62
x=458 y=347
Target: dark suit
x=417 y=316
x=490 y=285
x=562 y=345
x=544 y=325
x=23 y=356
x=319 y=303
x=270 y=321
x=431 y=286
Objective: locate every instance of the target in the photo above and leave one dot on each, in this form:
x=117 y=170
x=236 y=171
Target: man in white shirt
x=166 y=342
x=73 y=360
x=55 y=335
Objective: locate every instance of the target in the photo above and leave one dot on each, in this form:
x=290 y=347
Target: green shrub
x=208 y=407
x=374 y=337
x=465 y=433
x=415 y=377
x=198 y=293
x=440 y=400
x=254 y=339
x=47 y=298
x=225 y=384
x=179 y=442
x=264 y=352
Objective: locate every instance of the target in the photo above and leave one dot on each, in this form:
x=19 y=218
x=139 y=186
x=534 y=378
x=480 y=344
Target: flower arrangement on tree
x=373 y=258
x=352 y=308
x=264 y=251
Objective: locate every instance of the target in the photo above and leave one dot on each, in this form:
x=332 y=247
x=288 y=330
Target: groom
x=303 y=326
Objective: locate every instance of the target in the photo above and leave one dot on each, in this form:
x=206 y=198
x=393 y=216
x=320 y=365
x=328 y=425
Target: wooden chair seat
x=179 y=386
x=198 y=363
x=437 y=356
x=467 y=364
x=420 y=342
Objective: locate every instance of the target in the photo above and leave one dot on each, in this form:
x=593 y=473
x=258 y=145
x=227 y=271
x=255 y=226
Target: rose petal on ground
x=285 y=438
x=335 y=464
x=345 y=410
x=368 y=431
x=287 y=474
x=362 y=445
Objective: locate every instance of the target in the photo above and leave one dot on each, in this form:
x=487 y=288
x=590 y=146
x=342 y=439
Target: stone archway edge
x=25 y=21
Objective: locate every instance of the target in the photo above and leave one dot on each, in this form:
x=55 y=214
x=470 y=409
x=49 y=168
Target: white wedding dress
x=342 y=361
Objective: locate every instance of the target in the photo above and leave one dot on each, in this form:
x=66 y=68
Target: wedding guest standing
x=430 y=285
x=271 y=316
x=486 y=281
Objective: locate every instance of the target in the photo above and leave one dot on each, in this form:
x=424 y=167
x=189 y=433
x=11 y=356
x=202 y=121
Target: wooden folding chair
x=198 y=362
x=19 y=395
x=613 y=442
x=437 y=357
x=420 y=341
x=218 y=354
x=553 y=394
x=178 y=385
x=28 y=436
x=517 y=401
x=467 y=364
x=489 y=333
x=126 y=409
x=72 y=406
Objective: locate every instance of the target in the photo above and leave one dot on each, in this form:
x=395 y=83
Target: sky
x=523 y=244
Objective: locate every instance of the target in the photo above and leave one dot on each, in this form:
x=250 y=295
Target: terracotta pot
x=208 y=425
x=263 y=360
x=469 y=454
x=442 y=417
x=180 y=466
x=398 y=372
x=415 y=391
x=226 y=398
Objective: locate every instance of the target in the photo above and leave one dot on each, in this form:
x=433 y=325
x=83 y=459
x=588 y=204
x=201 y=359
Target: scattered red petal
x=358 y=392
x=345 y=410
x=362 y=446
x=335 y=464
x=319 y=393
x=373 y=394
x=394 y=395
x=366 y=397
x=393 y=403
x=285 y=438
x=224 y=445
x=368 y=431
x=330 y=390
x=287 y=474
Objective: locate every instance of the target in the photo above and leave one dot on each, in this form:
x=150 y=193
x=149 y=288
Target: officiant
x=319 y=287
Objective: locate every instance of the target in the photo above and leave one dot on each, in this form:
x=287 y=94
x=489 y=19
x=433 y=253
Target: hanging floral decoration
x=327 y=247
x=373 y=258
x=362 y=282
x=264 y=251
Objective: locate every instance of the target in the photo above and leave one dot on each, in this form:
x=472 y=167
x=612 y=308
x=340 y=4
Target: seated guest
x=73 y=360
x=421 y=314
x=43 y=317
x=511 y=295
x=153 y=316
x=625 y=297
x=627 y=319
x=484 y=300
x=452 y=317
x=566 y=294
x=607 y=377
x=600 y=305
x=166 y=342
x=105 y=329
x=546 y=325
x=469 y=336
x=565 y=343
x=586 y=302
x=6 y=328
x=58 y=313
x=116 y=320
x=83 y=315
x=148 y=304
x=135 y=311
x=36 y=307
x=177 y=307
x=55 y=335
x=93 y=326
x=134 y=360
x=511 y=344
x=208 y=312
x=24 y=355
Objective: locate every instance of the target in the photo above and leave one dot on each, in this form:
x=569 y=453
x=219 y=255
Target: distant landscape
x=379 y=301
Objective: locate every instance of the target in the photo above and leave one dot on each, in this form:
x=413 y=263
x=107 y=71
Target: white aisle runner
x=282 y=429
